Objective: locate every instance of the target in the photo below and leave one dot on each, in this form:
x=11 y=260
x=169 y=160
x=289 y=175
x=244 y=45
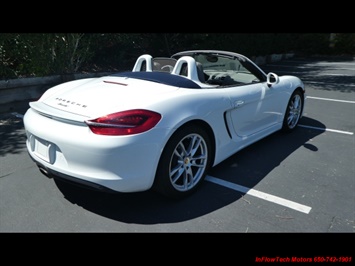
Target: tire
x=184 y=162
x=293 y=111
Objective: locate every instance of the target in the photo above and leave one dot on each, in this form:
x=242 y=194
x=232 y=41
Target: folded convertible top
x=161 y=77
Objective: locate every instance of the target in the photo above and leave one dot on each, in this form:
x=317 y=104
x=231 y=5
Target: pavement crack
x=332 y=223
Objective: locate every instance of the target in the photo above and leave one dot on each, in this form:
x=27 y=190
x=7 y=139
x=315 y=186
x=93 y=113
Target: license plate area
x=43 y=149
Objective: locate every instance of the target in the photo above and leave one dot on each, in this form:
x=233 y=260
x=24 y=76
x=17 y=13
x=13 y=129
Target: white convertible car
x=162 y=125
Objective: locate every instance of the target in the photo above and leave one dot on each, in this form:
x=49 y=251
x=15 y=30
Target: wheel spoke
x=177 y=171
x=194 y=145
x=182 y=150
x=188 y=178
x=199 y=161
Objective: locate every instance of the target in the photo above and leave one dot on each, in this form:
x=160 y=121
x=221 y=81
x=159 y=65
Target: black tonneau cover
x=161 y=77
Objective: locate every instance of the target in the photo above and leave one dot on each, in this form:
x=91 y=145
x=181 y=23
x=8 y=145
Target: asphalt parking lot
x=301 y=182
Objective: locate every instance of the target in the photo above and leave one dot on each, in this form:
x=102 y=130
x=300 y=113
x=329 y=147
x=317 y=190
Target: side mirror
x=272 y=78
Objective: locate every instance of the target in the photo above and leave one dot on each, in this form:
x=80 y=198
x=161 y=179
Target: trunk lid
x=101 y=96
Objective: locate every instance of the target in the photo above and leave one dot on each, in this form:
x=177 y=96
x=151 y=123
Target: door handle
x=238 y=103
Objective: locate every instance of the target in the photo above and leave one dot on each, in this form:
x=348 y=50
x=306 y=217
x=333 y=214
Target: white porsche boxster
x=162 y=125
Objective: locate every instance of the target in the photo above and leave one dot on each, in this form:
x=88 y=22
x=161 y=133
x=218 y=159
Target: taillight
x=124 y=123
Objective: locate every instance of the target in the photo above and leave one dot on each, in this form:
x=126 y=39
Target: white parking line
x=326 y=83
x=328 y=129
x=327 y=99
x=261 y=195
x=338 y=75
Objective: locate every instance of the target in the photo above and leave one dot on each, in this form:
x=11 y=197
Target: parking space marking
x=328 y=99
x=327 y=83
x=328 y=129
x=261 y=195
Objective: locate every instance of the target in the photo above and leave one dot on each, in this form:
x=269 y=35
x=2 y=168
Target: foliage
x=344 y=43
x=42 y=54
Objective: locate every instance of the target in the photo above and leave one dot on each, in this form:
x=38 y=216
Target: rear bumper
x=72 y=152
x=70 y=179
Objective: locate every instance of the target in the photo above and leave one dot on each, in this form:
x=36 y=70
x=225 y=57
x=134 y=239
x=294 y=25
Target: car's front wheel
x=293 y=111
x=183 y=163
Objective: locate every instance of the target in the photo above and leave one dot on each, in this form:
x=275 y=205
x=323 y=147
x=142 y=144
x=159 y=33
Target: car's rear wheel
x=184 y=162
x=293 y=111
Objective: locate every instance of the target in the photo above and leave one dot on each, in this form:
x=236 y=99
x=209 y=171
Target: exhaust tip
x=44 y=171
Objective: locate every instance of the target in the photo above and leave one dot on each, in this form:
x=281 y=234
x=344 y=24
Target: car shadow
x=12 y=135
x=151 y=208
x=249 y=166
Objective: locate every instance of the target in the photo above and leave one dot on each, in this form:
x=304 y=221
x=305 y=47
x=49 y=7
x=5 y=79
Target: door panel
x=255 y=108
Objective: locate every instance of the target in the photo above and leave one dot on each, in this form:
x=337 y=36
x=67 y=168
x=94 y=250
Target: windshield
x=228 y=70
